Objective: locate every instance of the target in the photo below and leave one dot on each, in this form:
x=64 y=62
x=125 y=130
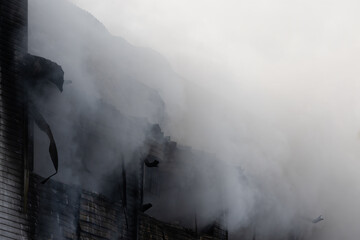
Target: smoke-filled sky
x=268 y=86
x=229 y=43
x=275 y=56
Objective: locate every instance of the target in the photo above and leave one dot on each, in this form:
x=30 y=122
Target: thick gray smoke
x=274 y=95
x=106 y=89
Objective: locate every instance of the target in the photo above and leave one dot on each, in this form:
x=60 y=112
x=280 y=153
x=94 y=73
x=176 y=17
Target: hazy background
x=268 y=86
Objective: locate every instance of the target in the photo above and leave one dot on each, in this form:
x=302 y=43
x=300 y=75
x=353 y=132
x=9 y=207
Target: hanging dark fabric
x=44 y=126
x=37 y=72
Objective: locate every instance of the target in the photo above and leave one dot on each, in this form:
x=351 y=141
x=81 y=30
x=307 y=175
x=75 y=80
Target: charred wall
x=153 y=229
x=60 y=211
x=13 y=44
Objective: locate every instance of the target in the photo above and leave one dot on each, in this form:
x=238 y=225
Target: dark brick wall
x=13 y=44
x=60 y=211
x=53 y=210
x=153 y=229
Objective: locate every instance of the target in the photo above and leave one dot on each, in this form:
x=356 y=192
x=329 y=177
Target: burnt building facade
x=14 y=222
x=30 y=209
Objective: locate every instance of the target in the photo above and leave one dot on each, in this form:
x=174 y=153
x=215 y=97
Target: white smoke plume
x=268 y=87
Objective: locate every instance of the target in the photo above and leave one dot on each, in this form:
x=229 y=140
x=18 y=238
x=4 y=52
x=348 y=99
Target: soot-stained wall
x=153 y=229
x=13 y=44
x=60 y=211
